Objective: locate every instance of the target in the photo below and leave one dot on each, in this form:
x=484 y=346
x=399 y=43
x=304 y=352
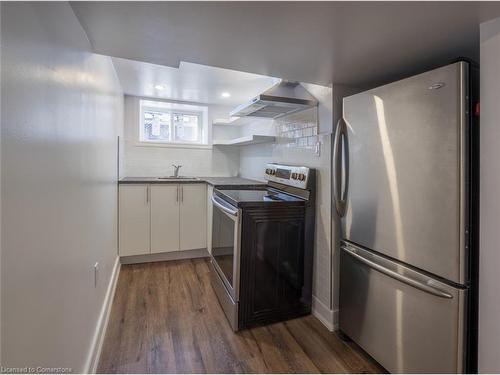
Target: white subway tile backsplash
x=301 y=128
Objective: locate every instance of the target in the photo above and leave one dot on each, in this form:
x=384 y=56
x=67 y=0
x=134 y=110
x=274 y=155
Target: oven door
x=226 y=231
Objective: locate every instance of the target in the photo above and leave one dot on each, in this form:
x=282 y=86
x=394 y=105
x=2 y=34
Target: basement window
x=172 y=123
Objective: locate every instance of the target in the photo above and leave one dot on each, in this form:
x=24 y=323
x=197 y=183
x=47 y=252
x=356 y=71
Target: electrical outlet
x=96 y=273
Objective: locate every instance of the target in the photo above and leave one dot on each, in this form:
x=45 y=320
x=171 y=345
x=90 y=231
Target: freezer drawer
x=407 y=321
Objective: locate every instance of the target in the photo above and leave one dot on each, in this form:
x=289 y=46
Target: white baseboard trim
x=335 y=319
x=160 y=257
x=102 y=322
x=328 y=317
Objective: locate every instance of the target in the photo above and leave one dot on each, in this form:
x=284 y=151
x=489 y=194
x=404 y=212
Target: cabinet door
x=164 y=218
x=134 y=219
x=193 y=216
x=210 y=190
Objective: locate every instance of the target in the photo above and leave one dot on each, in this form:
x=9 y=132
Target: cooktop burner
x=242 y=198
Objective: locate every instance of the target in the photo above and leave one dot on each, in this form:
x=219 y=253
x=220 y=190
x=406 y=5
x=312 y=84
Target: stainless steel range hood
x=280 y=100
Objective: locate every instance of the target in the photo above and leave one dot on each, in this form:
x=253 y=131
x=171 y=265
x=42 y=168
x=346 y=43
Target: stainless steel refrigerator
x=404 y=164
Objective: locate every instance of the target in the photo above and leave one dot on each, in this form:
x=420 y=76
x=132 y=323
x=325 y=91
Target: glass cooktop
x=242 y=197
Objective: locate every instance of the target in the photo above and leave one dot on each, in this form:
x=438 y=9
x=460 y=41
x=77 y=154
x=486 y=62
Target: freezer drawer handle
x=405 y=279
x=340 y=138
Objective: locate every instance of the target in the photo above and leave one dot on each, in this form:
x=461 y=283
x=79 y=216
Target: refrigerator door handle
x=341 y=146
x=424 y=286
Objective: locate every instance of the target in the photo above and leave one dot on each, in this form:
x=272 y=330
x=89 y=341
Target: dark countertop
x=219 y=182
x=231 y=181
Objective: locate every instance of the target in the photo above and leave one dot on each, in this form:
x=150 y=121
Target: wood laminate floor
x=165 y=319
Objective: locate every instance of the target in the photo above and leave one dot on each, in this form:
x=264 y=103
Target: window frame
x=172 y=108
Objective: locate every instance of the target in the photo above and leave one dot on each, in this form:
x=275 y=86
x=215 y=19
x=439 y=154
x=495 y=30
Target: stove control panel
x=287 y=175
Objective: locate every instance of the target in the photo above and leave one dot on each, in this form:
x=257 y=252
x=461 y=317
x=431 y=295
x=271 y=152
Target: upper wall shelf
x=247 y=140
x=235 y=121
x=226 y=121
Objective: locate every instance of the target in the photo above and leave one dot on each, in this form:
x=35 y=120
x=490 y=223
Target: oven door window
x=223 y=239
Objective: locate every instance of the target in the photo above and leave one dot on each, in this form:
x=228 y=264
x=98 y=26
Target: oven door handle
x=217 y=202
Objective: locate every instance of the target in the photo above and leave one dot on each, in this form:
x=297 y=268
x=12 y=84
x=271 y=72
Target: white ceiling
x=357 y=43
x=190 y=82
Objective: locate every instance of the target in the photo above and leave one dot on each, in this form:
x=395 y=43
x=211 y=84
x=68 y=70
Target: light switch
x=96 y=273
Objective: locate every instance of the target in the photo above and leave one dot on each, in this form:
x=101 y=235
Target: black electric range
x=262 y=247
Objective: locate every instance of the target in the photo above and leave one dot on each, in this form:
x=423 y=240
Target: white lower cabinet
x=164 y=218
x=193 y=216
x=134 y=221
x=210 y=191
x=159 y=218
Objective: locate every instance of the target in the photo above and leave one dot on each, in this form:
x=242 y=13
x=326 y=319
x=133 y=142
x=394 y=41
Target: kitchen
x=181 y=195
x=172 y=211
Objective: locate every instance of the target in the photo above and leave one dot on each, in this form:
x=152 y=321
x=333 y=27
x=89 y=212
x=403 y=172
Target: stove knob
x=294 y=176
x=267 y=170
x=273 y=171
x=302 y=177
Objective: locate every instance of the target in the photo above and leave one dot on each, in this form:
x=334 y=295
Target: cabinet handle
x=177 y=196
x=147 y=194
x=182 y=194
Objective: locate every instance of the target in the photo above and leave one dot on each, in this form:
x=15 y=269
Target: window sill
x=173 y=145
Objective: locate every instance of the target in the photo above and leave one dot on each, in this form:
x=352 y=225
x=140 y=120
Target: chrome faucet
x=176 y=170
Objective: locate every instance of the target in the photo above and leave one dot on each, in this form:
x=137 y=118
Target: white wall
x=489 y=283
x=61 y=112
x=144 y=161
x=252 y=161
